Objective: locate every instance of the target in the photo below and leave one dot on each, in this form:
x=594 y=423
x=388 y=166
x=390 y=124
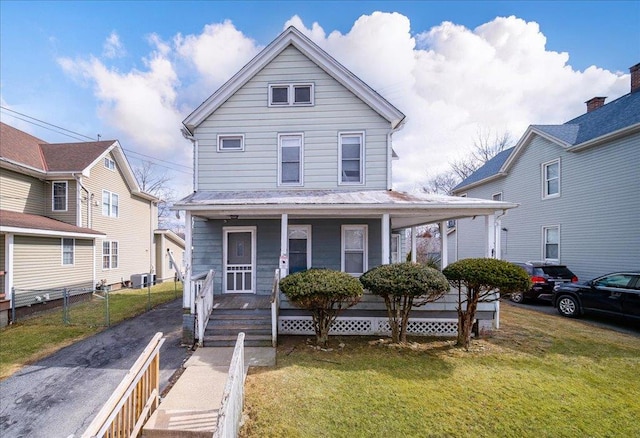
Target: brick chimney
x=594 y=103
x=635 y=78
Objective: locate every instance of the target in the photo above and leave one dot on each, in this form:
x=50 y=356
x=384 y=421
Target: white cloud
x=112 y=47
x=449 y=80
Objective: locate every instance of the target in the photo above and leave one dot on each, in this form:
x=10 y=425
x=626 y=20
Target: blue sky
x=78 y=65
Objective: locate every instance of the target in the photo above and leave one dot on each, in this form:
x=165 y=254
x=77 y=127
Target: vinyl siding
x=132 y=229
x=21 y=193
x=70 y=215
x=38 y=264
x=256 y=168
x=597 y=210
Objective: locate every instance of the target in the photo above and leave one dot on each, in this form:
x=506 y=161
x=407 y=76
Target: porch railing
x=134 y=400
x=230 y=412
x=203 y=290
x=275 y=307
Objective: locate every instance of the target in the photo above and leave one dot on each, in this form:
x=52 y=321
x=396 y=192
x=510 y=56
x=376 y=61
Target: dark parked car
x=615 y=294
x=545 y=277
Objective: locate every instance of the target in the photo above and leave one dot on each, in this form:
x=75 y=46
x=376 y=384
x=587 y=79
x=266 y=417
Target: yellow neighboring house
x=71 y=216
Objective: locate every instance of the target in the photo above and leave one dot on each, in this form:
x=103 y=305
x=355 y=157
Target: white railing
x=134 y=400
x=203 y=290
x=230 y=412
x=275 y=307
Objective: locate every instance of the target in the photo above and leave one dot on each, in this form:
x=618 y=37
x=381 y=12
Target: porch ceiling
x=404 y=209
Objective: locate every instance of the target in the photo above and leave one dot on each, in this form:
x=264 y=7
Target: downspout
x=498 y=244
x=89 y=201
x=390 y=153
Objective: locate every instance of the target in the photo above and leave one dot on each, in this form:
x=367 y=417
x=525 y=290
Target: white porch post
x=444 y=246
x=497 y=231
x=414 y=244
x=284 y=234
x=386 y=245
x=490 y=221
x=188 y=301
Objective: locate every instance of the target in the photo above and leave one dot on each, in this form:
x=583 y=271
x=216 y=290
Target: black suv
x=615 y=294
x=545 y=277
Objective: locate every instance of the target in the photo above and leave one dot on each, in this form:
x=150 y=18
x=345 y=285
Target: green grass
x=539 y=376
x=38 y=336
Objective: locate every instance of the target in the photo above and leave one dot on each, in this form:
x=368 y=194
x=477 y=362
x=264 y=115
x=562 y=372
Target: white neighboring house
x=578 y=187
x=293 y=170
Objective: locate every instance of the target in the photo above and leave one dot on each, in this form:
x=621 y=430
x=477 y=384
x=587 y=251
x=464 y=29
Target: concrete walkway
x=190 y=409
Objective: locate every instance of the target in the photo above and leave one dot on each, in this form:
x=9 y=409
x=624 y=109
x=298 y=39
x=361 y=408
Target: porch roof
x=405 y=209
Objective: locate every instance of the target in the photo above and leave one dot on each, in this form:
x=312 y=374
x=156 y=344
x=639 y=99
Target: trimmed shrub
x=481 y=280
x=403 y=286
x=324 y=293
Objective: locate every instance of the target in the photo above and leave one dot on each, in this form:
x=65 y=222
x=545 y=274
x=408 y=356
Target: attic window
x=109 y=163
x=290 y=94
x=230 y=143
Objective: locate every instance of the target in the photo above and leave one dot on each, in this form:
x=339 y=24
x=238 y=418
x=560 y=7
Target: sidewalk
x=190 y=409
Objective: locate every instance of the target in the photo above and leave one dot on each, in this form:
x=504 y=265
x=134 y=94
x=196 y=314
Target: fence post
x=65 y=306
x=13 y=305
x=149 y=293
x=106 y=294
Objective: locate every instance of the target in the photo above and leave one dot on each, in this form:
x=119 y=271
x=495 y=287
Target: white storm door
x=239 y=254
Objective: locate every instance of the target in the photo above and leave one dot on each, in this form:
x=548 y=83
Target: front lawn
x=539 y=376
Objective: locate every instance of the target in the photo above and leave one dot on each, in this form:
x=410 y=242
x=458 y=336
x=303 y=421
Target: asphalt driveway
x=60 y=395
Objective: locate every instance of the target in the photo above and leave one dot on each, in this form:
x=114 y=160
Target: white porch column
x=444 y=246
x=497 y=232
x=386 y=236
x=284 y=235
x=8 y=266
x=414 y=244
x=490 y=226
x=188 y=301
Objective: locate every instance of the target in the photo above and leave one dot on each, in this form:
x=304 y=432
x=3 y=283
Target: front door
x=240 y=261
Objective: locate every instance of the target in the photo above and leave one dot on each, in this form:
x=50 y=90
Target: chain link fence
x=88 y=307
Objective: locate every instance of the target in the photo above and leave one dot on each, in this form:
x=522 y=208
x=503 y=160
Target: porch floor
x=241 y=302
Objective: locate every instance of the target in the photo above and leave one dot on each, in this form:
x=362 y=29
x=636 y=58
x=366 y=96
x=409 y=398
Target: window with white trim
x=354 y=249
x=109 y=254
x=351 y=158
x=290 y=159
x=110 y=206
x=299 y=248
x=109 y=163
x=395 y=248
x=291 y=94
x=231 y=143
x=59 y=196
x=551 y=179
x=68 y=251
x=497 y=196
x=551 y=243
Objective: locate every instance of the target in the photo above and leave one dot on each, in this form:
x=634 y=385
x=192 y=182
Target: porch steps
x=225 y=324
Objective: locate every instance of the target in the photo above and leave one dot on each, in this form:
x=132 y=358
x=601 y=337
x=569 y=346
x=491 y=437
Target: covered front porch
x=251 y=239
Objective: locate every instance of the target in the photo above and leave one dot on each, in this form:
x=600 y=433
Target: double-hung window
x=299 y=242
x=551 y=243
x=290 y=158
x=351 y=158
x=110 y=206
x=109 y=254
x=354 y=249
x=290 y=94
x=231 y=143
x=68 y=250
x=109 y=163
x=395 y=248
x=551 y=179
x=59 y=196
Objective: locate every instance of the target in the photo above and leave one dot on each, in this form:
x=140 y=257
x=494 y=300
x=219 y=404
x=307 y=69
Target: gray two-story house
x=578 y=187
x=293 y=170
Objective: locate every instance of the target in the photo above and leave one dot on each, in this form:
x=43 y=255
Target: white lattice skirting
x=303 y=325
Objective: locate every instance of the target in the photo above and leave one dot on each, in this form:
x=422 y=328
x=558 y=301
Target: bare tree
x=156 y=183
x=486 y=145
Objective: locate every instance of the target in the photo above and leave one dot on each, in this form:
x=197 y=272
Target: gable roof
x=28 y=154
x=293 y=37
x=618 y=118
